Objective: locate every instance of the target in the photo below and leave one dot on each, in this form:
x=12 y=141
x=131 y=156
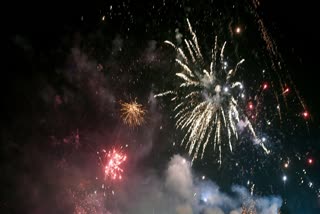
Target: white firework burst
x=207 y=98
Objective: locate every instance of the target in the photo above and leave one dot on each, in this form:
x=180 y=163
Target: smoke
x=179 y=178
x=117 y=45
x=179 y=191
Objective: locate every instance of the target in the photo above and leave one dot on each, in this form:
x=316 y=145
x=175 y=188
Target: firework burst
x=112 y=161
x=132 y=113
x=206 y=102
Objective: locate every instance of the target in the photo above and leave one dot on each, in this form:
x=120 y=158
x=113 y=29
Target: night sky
x=68 y=66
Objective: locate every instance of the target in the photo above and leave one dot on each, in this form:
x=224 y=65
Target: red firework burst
x=112 y=167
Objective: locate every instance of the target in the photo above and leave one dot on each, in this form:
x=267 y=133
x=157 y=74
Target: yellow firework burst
x=132 y=113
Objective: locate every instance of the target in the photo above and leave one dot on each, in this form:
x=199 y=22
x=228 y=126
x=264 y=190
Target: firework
x=206 y=102
x=132 y=113
x=249 y=207
x=112 y=164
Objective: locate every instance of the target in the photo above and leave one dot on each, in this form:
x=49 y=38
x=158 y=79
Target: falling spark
x=132 y=113
x=207 y=98
x=286 y=91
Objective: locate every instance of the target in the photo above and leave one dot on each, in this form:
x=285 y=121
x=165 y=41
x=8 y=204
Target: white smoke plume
x=179 y=192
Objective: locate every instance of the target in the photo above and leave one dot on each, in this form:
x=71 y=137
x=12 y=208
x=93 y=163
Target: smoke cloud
x=179 y=191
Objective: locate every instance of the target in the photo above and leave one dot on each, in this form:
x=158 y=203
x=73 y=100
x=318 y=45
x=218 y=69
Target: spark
x=252 y=189
x=113 y=160
x=206 y=100
x=286 y=90
x=238 y=30
x=284 y=178
x=310 y=161
x=132 y=113
x=305 y=114
x=265 y=86
x=250 y=106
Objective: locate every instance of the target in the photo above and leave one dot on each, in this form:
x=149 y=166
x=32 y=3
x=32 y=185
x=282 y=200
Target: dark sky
x=296 y=24
x=40 y=35
x=293 y=25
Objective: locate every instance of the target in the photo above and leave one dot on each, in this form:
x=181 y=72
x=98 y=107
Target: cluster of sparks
x=249 y=208
x=87 y=202
x=132 y=113
x=304 y=176
x=113 y=160
x=207 y=99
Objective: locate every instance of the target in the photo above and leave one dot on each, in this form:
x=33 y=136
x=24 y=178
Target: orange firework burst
x=132 y=113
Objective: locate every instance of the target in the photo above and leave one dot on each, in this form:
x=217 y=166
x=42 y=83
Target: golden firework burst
x=132 y=113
